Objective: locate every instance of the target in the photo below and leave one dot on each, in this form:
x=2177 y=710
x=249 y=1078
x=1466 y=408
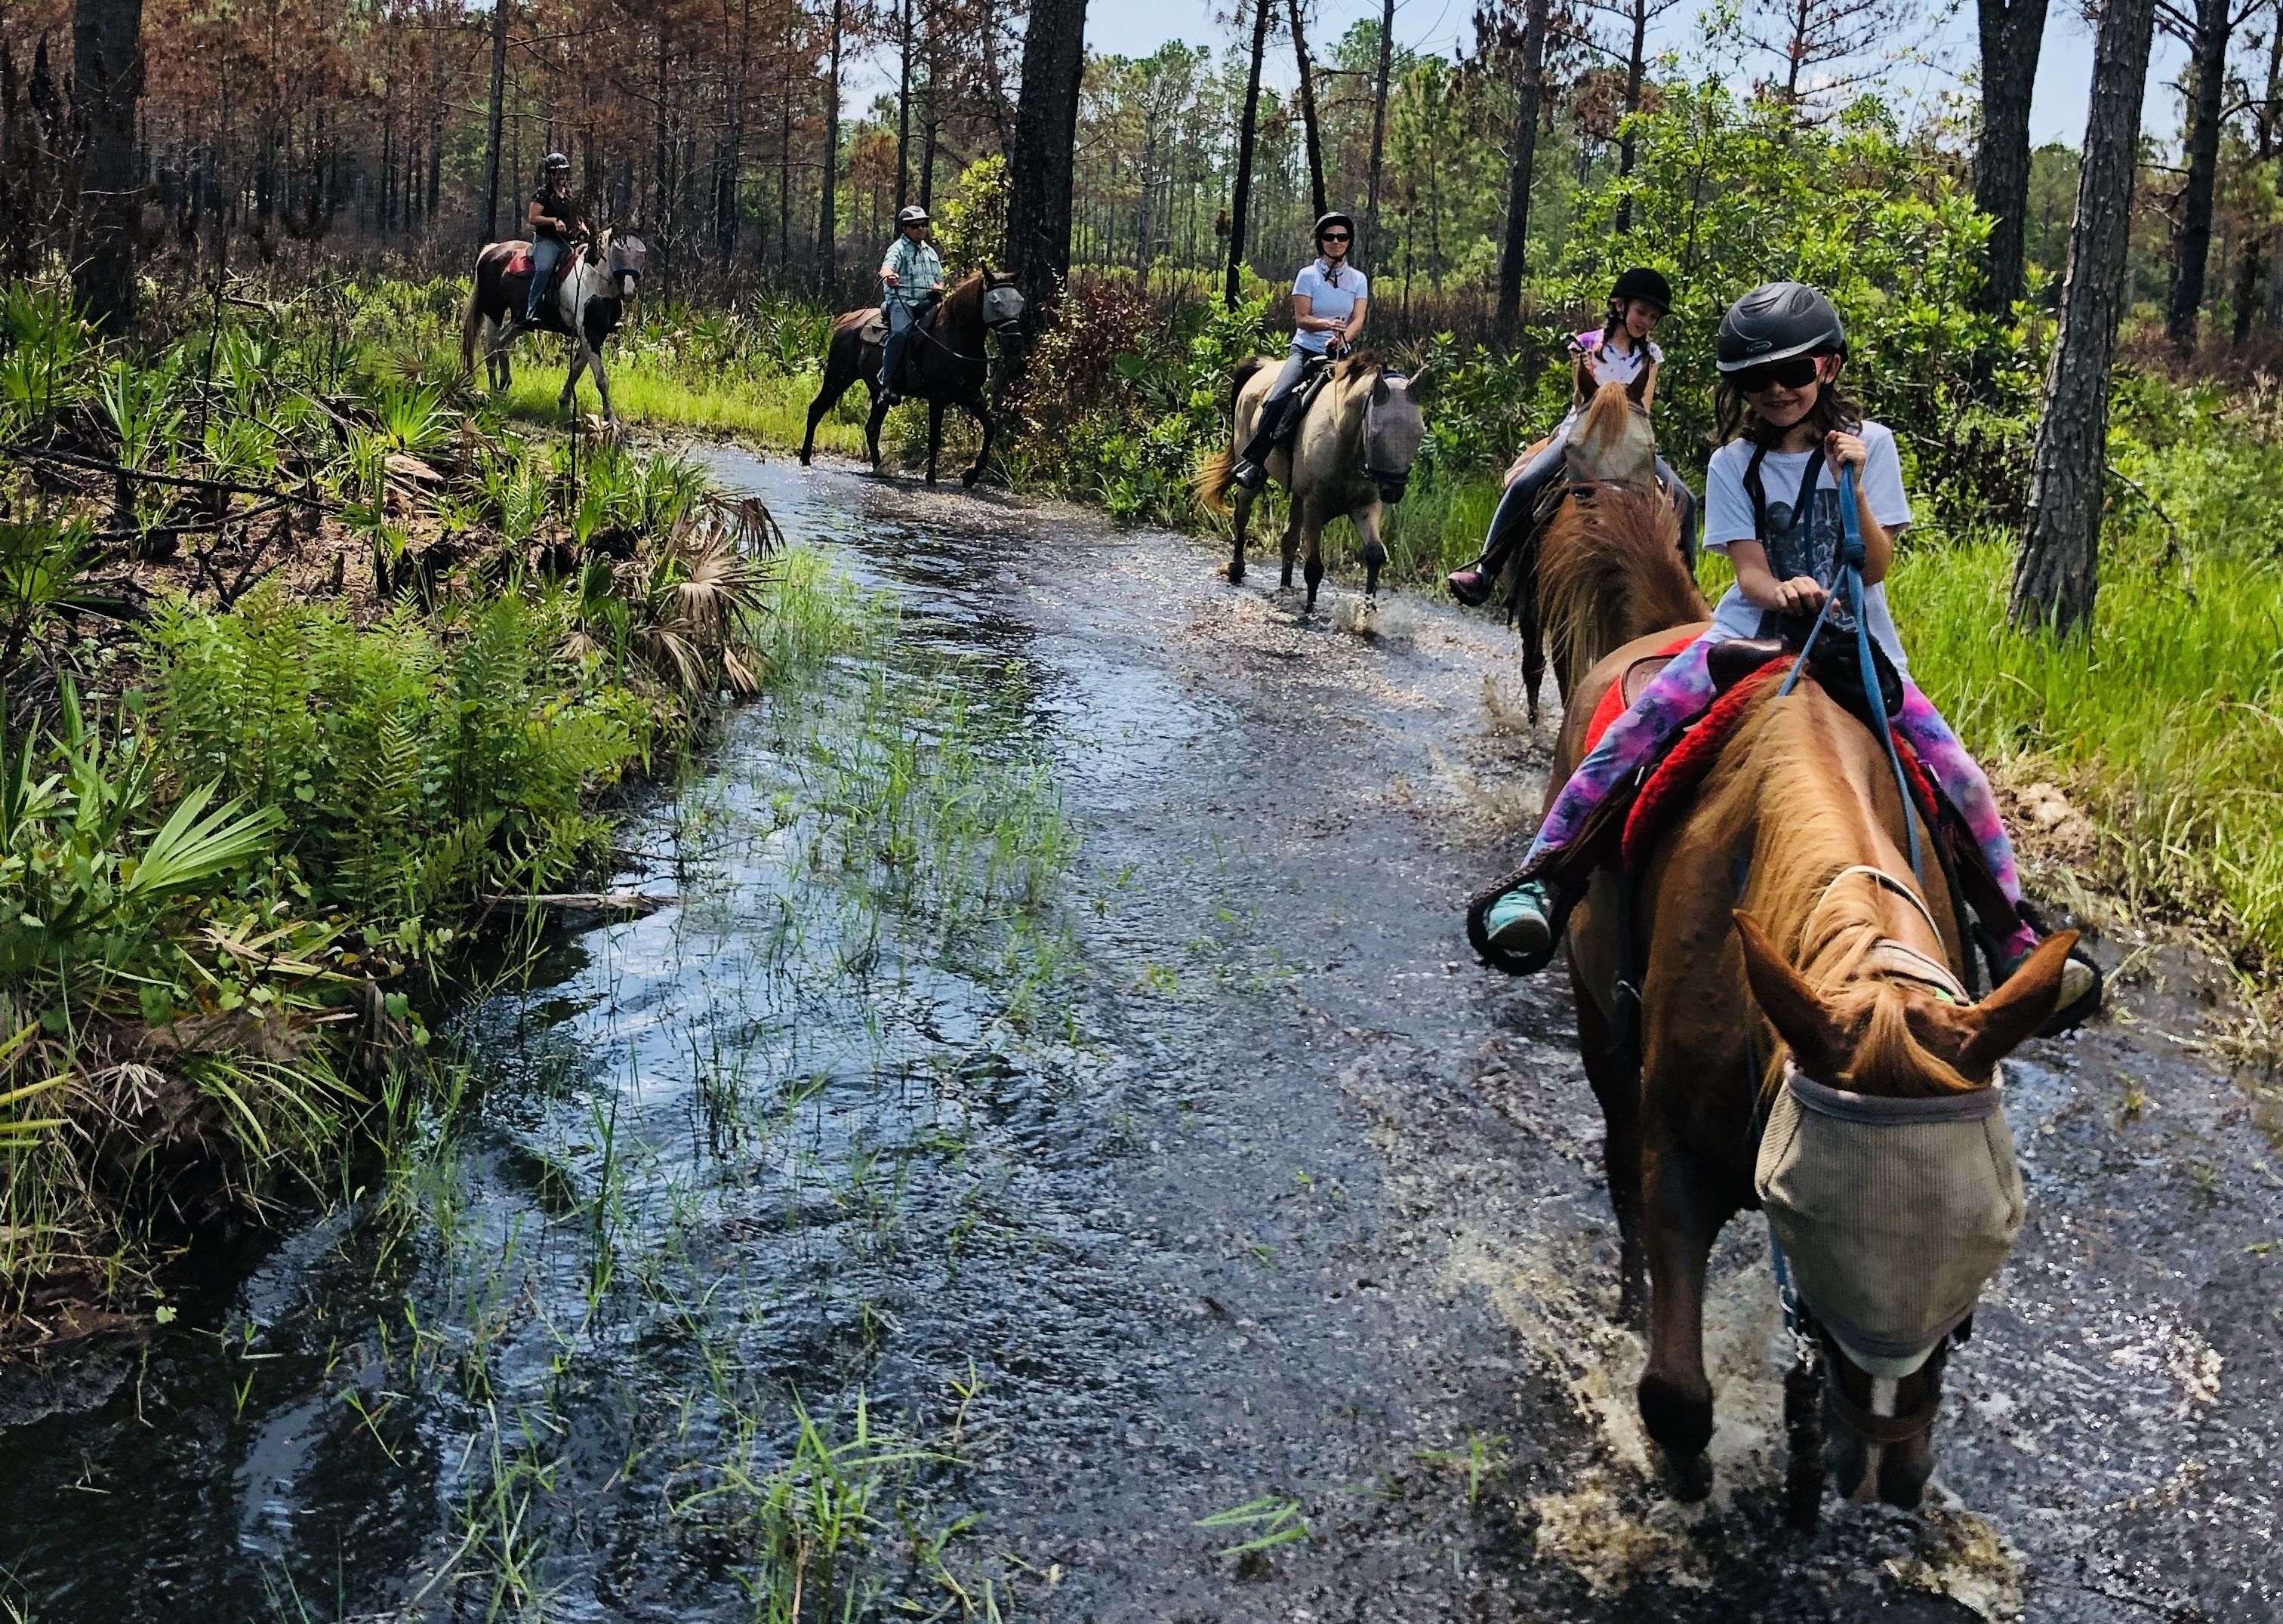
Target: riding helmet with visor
x=1776 y=321
x=1325 y=223
x=910 y=215
x=556 y=163
x=1641 y=283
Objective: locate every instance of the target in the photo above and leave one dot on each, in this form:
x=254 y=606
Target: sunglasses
x=1335 y=236
x=1796 y=373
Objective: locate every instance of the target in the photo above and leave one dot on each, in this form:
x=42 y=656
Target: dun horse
x=1596 y=575
x=1353 y=452
x=587 y=305
x=944 y=366
x=1782 y=950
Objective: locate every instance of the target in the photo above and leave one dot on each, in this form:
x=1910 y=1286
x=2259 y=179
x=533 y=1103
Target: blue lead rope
x=1851 y=558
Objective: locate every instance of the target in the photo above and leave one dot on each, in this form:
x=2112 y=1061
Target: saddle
x=1315 y=374
x=875 y=328
x=518 y=264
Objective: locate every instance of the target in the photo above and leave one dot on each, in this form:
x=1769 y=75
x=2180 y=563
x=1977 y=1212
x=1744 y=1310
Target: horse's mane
x=1609 y=570
x=965 y=299
x=1801 y=773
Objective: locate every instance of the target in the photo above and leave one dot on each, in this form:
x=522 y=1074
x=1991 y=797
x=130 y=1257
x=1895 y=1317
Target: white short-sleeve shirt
x=1333 y=301
x=1728 y=517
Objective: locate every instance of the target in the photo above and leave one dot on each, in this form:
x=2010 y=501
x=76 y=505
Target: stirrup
x=1478 y=935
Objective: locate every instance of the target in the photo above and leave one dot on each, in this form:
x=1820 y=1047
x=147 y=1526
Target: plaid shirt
x=919 y=273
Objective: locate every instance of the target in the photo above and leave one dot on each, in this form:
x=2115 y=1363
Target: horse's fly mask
x=1002 y=308
x=1392 y=431
x=1893 y=1214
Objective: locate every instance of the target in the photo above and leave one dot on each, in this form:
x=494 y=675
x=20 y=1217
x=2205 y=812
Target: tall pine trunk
x=2251 y=269
x=1313 y=131
x=1530 y=83
x=498 y=117
x=828 y=268
x=1039 y=165
x=1248 y=125
x=2012 y=31
x=904 y=103
x=1378 y=126
x=1636 y=69
x=106 y=82
x=2207 y=114
x=2058 y=569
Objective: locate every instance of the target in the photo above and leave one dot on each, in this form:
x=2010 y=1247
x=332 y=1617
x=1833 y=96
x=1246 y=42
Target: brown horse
x=1352 y=452
x=1592 y=576
x=1775 y=923
x=946 y=364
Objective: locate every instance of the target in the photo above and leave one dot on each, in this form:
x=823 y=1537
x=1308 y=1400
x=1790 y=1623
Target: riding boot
x=1511 y=524
x=1253 y=462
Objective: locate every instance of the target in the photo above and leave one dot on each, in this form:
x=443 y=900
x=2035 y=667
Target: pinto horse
x=1775 y=923
x=1353 y=451
x=587 y=305
x=1607 y=566
x=946 y=365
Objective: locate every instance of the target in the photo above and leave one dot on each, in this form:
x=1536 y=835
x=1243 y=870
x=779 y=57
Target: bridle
x=1392 y=482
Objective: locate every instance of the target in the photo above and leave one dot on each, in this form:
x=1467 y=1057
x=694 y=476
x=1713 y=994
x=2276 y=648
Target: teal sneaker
x=1521 y=924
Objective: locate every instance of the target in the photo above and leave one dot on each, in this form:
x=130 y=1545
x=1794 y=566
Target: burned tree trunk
x=106 y=82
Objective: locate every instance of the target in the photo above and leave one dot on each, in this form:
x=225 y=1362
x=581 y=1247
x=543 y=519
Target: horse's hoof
x=1686 y=1477
x=969 y=477
x=1235 y=573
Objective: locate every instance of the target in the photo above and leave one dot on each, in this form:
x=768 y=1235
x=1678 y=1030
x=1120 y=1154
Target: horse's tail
x=472 y=324
x=1218 y=472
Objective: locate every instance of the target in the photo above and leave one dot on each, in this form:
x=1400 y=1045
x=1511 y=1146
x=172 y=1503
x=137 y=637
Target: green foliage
x=414 y=769
x=971 y=223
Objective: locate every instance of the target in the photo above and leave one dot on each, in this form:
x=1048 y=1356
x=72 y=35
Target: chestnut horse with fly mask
x=1773 y=972
x=946 y=364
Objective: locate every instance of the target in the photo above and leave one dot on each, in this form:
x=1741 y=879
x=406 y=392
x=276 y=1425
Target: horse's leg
x=1292 y=548
x=593 y=358
x=1240 y=516
x=982 y=416
x=1366 y=520
x=567 y=401
x=1681 y=1220
x=1312 y=531
x=828 y=396
x=935 y=436
x=872 y=425
x=1613 y=1067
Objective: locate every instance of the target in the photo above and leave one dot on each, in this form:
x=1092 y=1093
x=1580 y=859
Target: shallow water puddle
x=1055 y=1162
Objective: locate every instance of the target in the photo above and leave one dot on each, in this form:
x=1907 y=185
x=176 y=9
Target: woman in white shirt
x=1617 y=352
x=1772 y=504
x=1329 y=297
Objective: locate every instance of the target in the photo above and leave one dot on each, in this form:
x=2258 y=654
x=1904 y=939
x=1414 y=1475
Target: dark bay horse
x=1776 y=930
x=946 y=364
x=587 y=305
x=1352 y=452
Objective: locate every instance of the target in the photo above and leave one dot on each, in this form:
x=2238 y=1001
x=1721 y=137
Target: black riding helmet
x=1776 y=320
x=1641 y=283
x=1325 y=223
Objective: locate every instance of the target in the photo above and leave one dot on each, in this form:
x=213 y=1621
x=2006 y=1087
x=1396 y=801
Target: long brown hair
x=1733 y=416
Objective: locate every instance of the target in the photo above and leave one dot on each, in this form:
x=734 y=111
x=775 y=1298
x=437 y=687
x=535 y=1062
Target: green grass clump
x=2165 y=723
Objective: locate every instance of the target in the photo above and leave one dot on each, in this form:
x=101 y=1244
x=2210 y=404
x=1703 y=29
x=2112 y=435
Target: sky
x=2058 y=113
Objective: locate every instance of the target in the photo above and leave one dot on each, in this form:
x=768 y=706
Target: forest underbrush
x=321 y=678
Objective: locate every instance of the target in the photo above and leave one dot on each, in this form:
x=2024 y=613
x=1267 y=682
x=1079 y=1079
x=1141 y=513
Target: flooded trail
x=1061 y=1122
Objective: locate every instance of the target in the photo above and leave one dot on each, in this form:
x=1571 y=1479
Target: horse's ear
x=1791 y=1006
x=2011 y=1015
x=1379 y=389
x=1415 y=379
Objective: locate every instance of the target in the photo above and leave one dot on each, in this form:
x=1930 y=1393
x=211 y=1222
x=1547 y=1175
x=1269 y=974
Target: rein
x=1851 y=557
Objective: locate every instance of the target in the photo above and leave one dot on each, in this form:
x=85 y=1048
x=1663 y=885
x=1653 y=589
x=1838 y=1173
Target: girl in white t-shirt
x=1771 y=505
x=1619 y=351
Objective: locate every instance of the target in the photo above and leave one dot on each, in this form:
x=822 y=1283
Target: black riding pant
x=1270 y=427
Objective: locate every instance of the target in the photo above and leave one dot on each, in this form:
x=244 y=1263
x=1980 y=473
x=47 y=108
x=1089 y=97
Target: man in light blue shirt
x=1329 y=299
x=911 y=279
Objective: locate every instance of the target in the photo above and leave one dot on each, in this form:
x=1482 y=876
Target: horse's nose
x=1391 y=490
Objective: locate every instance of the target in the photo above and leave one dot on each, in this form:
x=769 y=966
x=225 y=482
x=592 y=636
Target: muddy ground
x=1274 y=1203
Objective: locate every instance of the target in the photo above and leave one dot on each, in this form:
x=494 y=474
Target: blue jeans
x=546 y=254
x=900 y=339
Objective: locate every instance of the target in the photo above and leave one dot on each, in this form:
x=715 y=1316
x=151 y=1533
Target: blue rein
x=1851 y=558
